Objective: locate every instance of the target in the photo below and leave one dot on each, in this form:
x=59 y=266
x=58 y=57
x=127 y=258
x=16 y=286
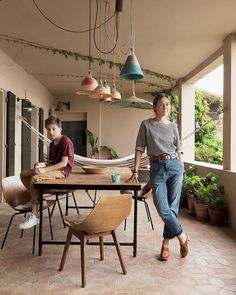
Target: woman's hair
x=158 y=97
x=52 y=120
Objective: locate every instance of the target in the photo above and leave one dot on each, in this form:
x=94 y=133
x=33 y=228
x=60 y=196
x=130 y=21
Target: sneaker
x=30 y=221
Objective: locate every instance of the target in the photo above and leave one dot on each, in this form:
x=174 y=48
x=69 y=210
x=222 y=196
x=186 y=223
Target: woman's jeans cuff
x=170 y=237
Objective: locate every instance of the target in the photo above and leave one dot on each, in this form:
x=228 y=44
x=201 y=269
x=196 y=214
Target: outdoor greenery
x=96 y=148
x=208 y=108
x=208 y=144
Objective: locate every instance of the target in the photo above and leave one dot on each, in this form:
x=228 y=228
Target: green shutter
x=10 y=136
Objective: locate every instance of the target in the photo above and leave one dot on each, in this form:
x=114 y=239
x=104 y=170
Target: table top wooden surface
x=79 y=177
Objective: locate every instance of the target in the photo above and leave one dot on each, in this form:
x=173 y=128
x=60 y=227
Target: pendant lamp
x=100 y=92
x=88 y=84
x=131 y=69
x=115 y=95
x=133 y=102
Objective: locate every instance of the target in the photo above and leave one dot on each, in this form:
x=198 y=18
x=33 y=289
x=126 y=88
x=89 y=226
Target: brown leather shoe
x=184 y=247
x=164 y=255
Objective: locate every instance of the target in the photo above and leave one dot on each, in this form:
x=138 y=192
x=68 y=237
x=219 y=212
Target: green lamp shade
x=132 y=102
x=131 y=69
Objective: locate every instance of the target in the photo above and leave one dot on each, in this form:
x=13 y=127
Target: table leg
x=135 y=222
x=40 y=223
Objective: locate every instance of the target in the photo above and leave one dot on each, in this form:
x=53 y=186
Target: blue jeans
x=166 y=178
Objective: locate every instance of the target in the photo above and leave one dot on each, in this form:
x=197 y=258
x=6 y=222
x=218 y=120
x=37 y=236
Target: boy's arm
x=57 y=166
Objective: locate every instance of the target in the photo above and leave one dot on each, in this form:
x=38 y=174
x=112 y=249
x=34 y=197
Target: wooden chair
x=17 y=197
x=107 y=215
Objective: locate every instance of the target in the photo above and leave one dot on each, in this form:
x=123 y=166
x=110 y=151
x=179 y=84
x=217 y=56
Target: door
x=25 y=138
x=10 y=134
x=75 y=130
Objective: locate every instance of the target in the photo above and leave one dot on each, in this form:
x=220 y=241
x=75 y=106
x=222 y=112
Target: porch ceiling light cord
x=88 y=84
x=94 y=34
x=100 y=92
x=68 y=30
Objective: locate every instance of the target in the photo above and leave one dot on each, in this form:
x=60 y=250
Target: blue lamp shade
x=131 y=69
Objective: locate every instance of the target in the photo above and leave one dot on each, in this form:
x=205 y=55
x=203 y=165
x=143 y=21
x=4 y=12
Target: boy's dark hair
x=52 y=120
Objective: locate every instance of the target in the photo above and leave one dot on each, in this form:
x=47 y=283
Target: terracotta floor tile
x=210 y=267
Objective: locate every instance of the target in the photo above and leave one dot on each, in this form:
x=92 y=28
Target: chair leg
x=59 y=206
x=9 y=225
x=77 y=209
x=83 y=260
x=50 y=223
x=22 y=231
x=53 y=207
x=67 y=204
x=65 y=251
x=101 y=245
x=34 y=239
x=119 y=252
x=125 y=223
x=149 y=213
x=145 y=203
x=95 y=198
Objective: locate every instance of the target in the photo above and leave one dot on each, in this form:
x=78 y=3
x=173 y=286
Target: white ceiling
x=172 y=37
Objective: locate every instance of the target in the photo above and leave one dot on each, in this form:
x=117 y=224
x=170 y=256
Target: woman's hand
x=134 y=178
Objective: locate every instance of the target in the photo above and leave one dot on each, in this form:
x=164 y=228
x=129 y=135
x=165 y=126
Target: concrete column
x=229 y=121
x=187 y=120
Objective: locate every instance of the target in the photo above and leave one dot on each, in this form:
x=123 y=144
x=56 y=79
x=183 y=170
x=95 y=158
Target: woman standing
x=161 y=138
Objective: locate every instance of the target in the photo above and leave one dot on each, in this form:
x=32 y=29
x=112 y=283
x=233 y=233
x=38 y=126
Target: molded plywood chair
x=17 y=197
x=107 y=215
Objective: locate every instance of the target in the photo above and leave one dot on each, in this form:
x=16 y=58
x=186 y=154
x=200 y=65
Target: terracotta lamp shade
x=131 y=69
x=100 y=92
x=115 y=95
x=87 y=85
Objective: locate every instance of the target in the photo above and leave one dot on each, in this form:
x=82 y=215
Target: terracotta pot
x=218 y=217
x=191 y=209
x=202 y=211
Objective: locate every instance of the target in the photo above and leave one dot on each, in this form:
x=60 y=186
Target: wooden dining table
x=79 y=180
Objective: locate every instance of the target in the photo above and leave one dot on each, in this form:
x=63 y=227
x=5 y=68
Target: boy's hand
x=40 y=170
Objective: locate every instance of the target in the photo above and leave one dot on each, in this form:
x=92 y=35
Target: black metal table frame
x=45 y=186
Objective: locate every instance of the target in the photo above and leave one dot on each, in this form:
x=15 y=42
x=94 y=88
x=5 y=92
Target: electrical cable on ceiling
x=68 y=30
x=94 y=34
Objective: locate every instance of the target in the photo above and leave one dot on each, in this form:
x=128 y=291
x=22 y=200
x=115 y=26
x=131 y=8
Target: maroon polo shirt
x=64 y=148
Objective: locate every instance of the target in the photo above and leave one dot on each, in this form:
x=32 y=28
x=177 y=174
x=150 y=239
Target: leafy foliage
x=96 y=148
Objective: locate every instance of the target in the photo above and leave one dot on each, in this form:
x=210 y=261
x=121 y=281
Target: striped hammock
x=79 y=160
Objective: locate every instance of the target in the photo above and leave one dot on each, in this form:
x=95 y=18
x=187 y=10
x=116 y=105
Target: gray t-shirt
x=159 y=138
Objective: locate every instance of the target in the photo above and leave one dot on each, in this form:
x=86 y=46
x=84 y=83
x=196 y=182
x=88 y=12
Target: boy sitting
x=61 y=160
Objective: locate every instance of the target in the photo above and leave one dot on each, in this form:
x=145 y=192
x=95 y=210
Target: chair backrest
x=14 y=191
x=108 y=214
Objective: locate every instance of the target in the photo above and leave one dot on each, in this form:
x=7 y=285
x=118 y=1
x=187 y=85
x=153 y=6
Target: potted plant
x=187 y=193
x=217 y=208
x=205 y=190
x=96 y=148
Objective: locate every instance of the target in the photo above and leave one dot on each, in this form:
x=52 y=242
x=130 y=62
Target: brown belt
x=161 y=157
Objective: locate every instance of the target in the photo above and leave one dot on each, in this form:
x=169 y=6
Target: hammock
x=127 y=161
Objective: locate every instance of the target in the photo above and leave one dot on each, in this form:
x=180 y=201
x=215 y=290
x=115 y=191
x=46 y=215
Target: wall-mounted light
x=60 y=106
x=28 y=106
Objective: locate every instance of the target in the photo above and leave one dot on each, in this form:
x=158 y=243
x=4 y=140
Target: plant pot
x=191 y=209
x=218 y=217
x=201 y=211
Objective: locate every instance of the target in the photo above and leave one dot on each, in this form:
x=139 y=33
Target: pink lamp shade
x=88 y=84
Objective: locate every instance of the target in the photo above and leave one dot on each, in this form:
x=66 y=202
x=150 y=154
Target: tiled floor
x=210 y=268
